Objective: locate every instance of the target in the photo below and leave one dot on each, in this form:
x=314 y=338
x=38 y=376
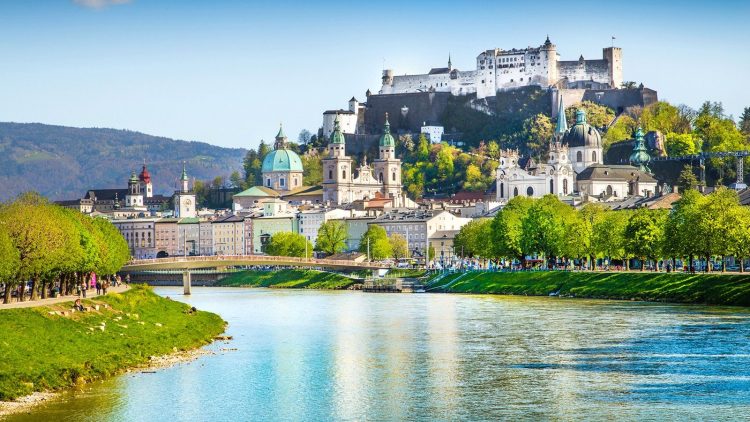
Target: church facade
x=342 y=184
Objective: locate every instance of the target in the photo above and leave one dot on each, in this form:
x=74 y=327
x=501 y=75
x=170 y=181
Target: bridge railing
x=257 y=258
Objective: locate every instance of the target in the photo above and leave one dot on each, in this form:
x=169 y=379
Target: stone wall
x=616 y=99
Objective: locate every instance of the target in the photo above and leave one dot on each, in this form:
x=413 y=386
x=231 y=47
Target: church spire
x=640 y=158
x=280 y=139
x=450 y=65
x=562 y=123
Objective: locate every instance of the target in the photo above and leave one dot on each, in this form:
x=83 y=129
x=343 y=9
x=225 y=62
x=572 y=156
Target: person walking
x=83 y=288
x=98 y=287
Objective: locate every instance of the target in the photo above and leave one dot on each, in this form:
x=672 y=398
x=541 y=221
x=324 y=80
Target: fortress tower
x=613 y=56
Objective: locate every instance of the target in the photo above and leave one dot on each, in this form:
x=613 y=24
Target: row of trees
x=698 y=226
x=331 y=239
x=48 y=244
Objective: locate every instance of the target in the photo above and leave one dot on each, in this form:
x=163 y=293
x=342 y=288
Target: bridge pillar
x=186 y=282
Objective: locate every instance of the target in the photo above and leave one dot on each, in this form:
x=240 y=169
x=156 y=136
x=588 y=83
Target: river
x=313 y=355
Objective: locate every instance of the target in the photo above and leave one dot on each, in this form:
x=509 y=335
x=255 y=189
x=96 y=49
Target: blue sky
x=227 y=72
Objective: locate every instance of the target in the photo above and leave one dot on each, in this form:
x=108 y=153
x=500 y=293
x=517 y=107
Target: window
x=343 y=174
x=330 y=174
x=579 y=156
x=393 y=176
x=281 y=182
x=551 y=186
x=609 y=190
x=502 y=190
x=593 y=156
x=380 y=177
x=529 y=191
x=268 y=182
x=515 y=191
x=565 y=186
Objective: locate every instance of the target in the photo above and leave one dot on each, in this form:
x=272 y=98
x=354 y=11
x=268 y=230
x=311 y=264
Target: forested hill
x=64 y=162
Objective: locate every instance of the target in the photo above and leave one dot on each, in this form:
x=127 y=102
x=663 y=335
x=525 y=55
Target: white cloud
x=100 y=4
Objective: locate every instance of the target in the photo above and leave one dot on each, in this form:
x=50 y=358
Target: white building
x=184 y=199
x=555 y=177
x=419 y=226
x=434 y=133
x=228 y=235
x=498 y=69
x=349 y=120
x=140 y=235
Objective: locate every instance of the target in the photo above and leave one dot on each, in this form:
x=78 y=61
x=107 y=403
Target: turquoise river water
x=320 y=356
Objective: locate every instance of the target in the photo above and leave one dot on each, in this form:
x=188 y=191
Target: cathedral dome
x=582 y=134
x=282 y=160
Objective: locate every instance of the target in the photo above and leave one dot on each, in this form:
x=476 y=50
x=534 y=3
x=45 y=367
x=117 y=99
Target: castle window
x=579 y=156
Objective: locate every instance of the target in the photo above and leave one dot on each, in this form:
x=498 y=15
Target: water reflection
x=354 y=356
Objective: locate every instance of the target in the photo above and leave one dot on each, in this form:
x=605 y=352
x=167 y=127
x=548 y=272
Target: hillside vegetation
x=41 y=351
x=289 y=279
x=713 y=289
x=64 y=162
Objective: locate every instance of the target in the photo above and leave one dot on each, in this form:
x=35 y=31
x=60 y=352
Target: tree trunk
x=723 y=264
x=643 y=263
x=742 y=264
x=34 y=284
x=44 y=289
x=22 y=294
x=627 y=264
x=6 y=295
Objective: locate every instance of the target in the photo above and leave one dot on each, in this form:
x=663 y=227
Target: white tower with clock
x=184 y=199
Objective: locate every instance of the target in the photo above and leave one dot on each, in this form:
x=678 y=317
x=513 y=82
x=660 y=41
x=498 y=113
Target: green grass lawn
x=715 y=289
x=39 y=351
x=290 y=279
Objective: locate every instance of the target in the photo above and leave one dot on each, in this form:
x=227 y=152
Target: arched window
x=551 y=186
x=330 y=174
x=502 y=190
x=393 y=176
x=609 y=190
x=593 y=156
x=565 y=186
x=579 y=156
x=529 y=191
x=515 y=191
x=380 y=177
x=295 y=182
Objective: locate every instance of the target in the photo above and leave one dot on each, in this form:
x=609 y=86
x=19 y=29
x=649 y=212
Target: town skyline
x=201 y=73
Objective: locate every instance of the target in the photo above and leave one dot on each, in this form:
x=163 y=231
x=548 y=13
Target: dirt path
x=49 y=301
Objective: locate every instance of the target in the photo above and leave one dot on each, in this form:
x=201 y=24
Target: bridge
x=187 y=263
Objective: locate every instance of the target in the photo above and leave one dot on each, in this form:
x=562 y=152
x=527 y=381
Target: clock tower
x=184 y=199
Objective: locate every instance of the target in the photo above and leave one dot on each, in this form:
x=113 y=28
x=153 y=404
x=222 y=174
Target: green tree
x=661 y=116
x=740 y=236
x=471 y=240
x=609 y=234
x=579 y=235
x=313 y=168
x=376 y=239
x=682 y=144
x=622 y=130
x=399 y=246
x=596 y=115
x=744 y=123
x=332 y=237
x=474 y=180
x=537 y=131
x=716 y=222
x=252 y=165
x=645 y=234
x=687 y=179
x=682 y=229
x=545 y=227
x=37 y=234
x=507 y=230
x=10 y=260
x=237 y=181
x=444 y=162
x=289 y=244
x=423 y=148
x=628 y=85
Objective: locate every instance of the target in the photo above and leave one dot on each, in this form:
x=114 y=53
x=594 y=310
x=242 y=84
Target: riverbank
x=288 y=279
x=49 y=348
x=711 y=289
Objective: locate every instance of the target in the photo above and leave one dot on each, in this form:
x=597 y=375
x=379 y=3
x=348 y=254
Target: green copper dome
x=337 y=137
x=184 y=172
x=133 y=178
x=640 y=158
x=281 y=160
x=582 y=134
x=387 y=139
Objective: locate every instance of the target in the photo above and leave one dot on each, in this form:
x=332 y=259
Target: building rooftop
x=259 y=191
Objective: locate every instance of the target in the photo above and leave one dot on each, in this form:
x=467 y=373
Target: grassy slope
x=39 y=351
x=290 y=279
x=700 y=288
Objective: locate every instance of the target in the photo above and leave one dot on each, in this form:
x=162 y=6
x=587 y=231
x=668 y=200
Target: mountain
x=64 y=162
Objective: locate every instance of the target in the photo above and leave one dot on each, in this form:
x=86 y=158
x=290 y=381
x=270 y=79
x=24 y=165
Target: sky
x=228 y=72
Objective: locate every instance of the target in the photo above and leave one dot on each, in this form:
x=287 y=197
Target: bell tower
x=387 y=166
x=337 y=169
x=184 y=199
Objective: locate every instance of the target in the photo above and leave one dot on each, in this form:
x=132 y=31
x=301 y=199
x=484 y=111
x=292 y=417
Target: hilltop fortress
x=498 y=70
